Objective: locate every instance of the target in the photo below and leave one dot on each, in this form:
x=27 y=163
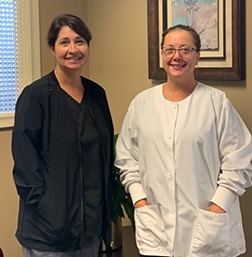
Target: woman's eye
x=64 y=42
x=185 y=50
x=81 y=41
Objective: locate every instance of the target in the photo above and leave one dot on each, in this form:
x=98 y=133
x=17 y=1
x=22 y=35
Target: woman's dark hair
x=192 y=31
x=73 y=22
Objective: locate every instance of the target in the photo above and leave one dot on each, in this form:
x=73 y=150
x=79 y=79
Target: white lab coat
x=181 y=156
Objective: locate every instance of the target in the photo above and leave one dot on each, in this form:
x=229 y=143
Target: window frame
x=29 y=64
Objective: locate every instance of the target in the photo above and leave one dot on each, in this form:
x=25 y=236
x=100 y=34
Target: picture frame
x=233 y=24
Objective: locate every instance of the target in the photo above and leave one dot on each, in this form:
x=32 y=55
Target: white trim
x=6 y=120
x=35 y=32
x=29 y=67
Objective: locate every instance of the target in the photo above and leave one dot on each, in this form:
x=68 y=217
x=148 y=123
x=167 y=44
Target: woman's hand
x=141 y=203
x=215 y=208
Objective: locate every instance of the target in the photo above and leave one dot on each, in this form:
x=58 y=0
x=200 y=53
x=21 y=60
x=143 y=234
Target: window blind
x=8 y=53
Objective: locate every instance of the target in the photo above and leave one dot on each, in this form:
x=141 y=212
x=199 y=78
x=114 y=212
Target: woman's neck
x=71 y=79
x=71 y=83
x=177 y=91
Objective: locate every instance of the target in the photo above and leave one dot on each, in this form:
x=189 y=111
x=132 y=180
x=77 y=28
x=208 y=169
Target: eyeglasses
x=184 y=51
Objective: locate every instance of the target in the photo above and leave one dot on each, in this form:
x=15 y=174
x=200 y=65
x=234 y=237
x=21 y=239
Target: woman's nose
x=177 y=52
x=72 y=47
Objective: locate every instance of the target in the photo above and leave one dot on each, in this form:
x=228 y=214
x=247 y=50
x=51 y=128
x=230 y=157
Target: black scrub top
x=92 y=175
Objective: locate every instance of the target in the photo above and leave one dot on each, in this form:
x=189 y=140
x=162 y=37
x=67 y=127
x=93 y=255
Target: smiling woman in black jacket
x=62 y=148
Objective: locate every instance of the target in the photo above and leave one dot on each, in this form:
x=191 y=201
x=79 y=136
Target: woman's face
x=179 y=63
x=70 y=49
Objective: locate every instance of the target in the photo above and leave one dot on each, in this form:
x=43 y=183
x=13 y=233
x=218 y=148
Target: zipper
x=81 y=193
x=50 y=91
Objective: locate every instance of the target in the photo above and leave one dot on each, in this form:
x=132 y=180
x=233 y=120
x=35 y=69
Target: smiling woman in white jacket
x=184 y=155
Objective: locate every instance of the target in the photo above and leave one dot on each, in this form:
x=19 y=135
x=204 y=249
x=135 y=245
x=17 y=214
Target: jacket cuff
x=136 y=192
x=223 y=197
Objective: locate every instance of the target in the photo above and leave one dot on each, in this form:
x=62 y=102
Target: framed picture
x=221 y=26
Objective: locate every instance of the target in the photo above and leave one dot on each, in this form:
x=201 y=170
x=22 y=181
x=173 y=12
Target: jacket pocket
x=150 y=234
x=211 y=235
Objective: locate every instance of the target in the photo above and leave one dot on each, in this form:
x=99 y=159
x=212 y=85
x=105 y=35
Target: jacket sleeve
x=235 y=154
x=26 y=147
x=127 y=157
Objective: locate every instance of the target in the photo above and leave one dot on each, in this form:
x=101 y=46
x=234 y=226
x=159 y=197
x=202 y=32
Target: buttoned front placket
x=172 y=110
